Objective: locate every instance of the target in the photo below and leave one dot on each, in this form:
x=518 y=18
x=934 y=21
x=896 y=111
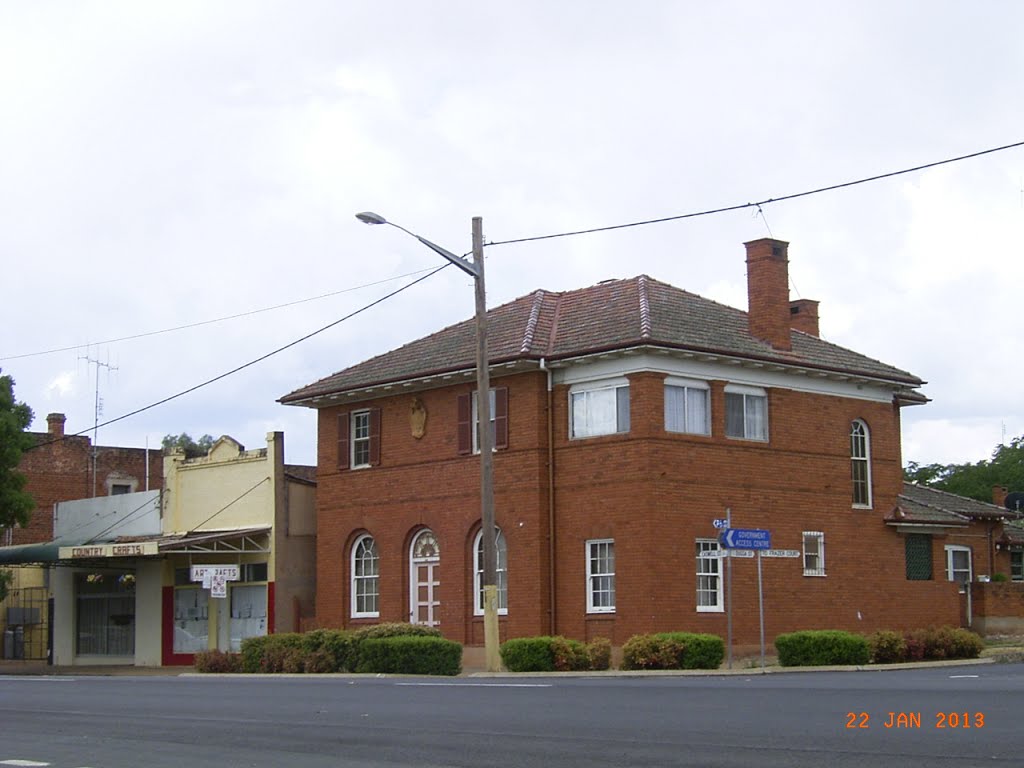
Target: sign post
x=752 y=539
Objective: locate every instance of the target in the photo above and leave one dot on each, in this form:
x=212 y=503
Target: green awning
x=23 y=554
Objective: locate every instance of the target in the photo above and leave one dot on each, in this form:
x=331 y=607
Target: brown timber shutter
x=374 y=437
x=343 y=458
x=501 y=417
x=464 y=417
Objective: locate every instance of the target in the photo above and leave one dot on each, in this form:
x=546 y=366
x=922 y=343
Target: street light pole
x=485 y=440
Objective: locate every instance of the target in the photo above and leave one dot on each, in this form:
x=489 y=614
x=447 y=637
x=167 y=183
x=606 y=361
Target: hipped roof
x=613 y=315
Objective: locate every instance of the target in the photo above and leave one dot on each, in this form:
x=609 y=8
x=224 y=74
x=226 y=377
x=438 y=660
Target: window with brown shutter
x=343 y=456
x=464 y=424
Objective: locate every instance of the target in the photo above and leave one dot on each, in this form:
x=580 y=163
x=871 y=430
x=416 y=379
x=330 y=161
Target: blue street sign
x=746 y=538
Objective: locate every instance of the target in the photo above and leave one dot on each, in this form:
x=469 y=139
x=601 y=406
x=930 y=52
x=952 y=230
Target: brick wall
x=60 y=469
x=653 y=492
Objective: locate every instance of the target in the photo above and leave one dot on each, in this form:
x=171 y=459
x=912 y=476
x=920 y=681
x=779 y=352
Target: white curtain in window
x=248 y=613
x=686 y=409
x=594 y=413
x=757 y=417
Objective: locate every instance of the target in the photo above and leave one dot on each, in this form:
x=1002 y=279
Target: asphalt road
x=962 y=716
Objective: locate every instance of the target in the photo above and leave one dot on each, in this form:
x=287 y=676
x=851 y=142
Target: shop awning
x=255 y=539
x=26 y=554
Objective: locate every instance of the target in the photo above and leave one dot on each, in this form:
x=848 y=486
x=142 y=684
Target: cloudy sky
x=169 y=164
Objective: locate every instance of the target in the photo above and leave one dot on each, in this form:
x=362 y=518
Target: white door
x=958 y=564
x=424 y=574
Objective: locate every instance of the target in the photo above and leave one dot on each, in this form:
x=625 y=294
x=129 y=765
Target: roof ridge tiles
x=531 y=322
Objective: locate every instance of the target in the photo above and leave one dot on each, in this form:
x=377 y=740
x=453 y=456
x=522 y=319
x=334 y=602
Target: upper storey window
x=746 y=412
x=599 y=408
x=687 y=407
x=860 y=463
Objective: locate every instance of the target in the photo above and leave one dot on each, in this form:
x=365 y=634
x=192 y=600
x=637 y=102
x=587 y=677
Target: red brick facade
x=60 y=468
x=653 y=492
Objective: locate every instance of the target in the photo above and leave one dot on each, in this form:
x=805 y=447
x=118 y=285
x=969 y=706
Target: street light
x=485 y=440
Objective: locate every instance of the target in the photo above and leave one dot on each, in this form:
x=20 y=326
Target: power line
x=741 y=206
x=251 y=363
x=213 y=320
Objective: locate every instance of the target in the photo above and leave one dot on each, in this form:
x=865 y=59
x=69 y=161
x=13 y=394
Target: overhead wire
x=741 y=206
x=211 y=321
x=249 y=364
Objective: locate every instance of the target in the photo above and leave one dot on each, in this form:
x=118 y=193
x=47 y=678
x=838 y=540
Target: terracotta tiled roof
x=613 y=315
x=921 y=504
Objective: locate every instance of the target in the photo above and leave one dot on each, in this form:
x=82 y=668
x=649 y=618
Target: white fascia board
x=735 y=371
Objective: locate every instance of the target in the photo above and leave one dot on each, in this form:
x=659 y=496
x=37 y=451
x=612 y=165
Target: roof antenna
x=760 y=212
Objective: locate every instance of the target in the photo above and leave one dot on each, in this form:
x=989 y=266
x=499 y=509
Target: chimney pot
x=999 y=493
x=768 y=312
x=55 y=424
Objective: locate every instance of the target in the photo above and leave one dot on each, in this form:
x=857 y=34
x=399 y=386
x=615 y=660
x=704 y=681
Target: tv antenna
x=97 y=412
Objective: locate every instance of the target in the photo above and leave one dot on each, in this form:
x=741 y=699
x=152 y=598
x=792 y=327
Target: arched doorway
x=424 y=574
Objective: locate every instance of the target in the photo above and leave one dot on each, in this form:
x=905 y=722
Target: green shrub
x=410 y=655
x=395 y=629
x=1000 y=577
x=319 y=662
x=266 y=653
x=673 y=650
x=599 y=652
x=528 y=654
x=937 y=643
x=293 y=660
x=814 y=648
x=216 y=661
x=569 y=655
x=335 y=649
x=887 y=647
x=252 y=652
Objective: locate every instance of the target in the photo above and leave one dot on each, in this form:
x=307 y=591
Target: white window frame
x=709 y=568
x=357 y=578
x=748 y=394
x=358 y=420
x=584 y=392
x=501 y=557
x=951 y=572
x=810 y=567
x=690 y=389
x=593 y=554
x=474 y=420
x=860 y=456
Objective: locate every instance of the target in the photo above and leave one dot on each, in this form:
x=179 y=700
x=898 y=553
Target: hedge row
x=932 y=644
x=395 y=648
x=555 y=654
x=673 y=650
x=814 y=648
x=824 y=647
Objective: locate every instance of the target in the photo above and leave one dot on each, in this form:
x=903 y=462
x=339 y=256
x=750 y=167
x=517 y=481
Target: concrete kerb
x=12 y=669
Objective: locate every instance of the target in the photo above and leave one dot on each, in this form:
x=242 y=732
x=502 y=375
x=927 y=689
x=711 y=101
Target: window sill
x=862 y=506
x=763 y=440
x=598 y=612
x=701 y=609
x=814 y=575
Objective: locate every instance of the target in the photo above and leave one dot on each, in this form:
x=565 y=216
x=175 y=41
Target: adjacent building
x=224 y=551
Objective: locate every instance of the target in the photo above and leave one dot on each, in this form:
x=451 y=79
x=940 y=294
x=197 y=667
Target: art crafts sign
x=215 y=577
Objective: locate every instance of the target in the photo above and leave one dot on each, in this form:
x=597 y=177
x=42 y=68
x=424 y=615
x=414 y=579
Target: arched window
x=365 y=578
x=860 y=463
x=478 y=573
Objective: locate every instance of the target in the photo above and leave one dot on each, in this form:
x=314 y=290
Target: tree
x=192 y=448
x=15 y=418
x=6 y=577
x=1005 y=468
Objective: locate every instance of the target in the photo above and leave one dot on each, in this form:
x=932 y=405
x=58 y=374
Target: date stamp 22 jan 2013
x=900 y=720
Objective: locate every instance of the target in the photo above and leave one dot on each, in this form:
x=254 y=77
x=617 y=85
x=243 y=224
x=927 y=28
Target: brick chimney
x=55 y=424
x=768 y=305
x=999 y=493
x=803 y=316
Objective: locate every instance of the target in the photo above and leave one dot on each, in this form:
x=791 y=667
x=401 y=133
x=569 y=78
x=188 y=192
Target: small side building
x=227 y=550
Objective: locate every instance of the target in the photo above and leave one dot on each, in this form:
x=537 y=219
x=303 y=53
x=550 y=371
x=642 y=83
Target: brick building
x=628 y=417
x=61 y=468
